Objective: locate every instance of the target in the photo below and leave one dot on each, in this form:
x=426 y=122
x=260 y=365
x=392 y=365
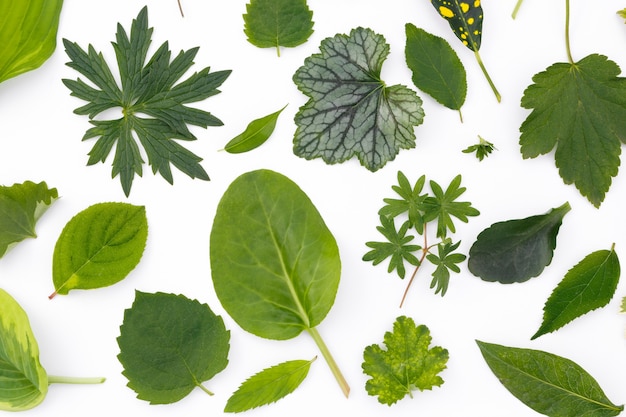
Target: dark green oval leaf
x=587 y=286
x=257 y=132
x=268 y=386
x=516 y=250
x=547 y=383
x=437 y=70
x=99 y=246
x=169 y=345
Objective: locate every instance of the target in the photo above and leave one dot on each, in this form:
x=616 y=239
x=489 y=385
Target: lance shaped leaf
x=257 y=132
x=516 y=250
x=547 y=383
x=350 y=111
x=21 y=205
x=268 y=386
x=580 y=109
x=437 y=70
x=465 y=19
x=170 y=345
x=153 y=104
x=28 y=35
x=274 y=263
x=276 y=23
x=587 y=286
x=405 y=364
x=99 y=246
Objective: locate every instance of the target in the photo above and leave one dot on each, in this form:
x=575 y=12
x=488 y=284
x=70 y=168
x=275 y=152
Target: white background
x=40 y=140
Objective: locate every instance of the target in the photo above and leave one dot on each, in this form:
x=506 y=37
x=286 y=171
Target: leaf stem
x=424 y=253
x=567 y=44
x=203 y=388
x=345 y=388
x=516 y=9
x=491 y=84
x=180 y=7
x=52 y=379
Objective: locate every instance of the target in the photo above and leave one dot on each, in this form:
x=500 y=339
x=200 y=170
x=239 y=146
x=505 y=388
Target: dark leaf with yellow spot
x=465 y=19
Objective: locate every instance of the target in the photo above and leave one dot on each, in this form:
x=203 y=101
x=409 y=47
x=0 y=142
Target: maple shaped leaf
x=405 y=365
x=579 y=108
x=350 y=111
x=152 y=104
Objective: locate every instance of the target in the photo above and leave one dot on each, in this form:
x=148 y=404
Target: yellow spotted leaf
x=465 y=19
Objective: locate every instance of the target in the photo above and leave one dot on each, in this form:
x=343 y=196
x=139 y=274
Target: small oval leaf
x=257 y=132
x=99 y=246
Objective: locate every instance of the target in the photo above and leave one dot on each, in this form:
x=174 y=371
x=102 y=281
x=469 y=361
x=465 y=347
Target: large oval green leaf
x=27 y=34
x=23 y=381
x=275 y=264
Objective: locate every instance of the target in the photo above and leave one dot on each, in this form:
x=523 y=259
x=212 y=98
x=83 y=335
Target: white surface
x=40 y=141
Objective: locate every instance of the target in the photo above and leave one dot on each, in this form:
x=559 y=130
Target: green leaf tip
x=256 y=134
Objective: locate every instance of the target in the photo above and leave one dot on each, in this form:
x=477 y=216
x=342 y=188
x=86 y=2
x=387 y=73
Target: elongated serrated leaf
x=21 y=205
x=516 y=250
x=170 y=345
x=587 y=286
x=351 y=112
x=268 y=386
x=547 y=383
x=437 y=70
x=257 y=132
x=27 y=34
x=23 y=381
x=276 y=23
x=99 y=246
x=465 y=19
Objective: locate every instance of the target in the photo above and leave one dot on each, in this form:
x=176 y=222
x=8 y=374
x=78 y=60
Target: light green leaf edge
x=269 y=385
x=256 y=134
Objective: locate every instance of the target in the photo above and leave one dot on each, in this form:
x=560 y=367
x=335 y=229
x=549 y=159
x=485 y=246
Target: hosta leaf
x=465 y=19
x=268 y=386
x=587 y=286
x=170 y=345
x=580 y=109
x=28 y=34
x=351 y=112
x=99 y=246
x=516 y=250
x=437 y=70
x=547 y=383
x=23 y=381
x=276 y=23
x=257 y=132
x=21 y=205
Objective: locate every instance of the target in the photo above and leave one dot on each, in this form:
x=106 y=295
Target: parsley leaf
x=153 y=108
x=351 y=112
x=446 y=260
x=406 y=364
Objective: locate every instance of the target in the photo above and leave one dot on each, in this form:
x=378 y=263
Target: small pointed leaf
x=257 y=132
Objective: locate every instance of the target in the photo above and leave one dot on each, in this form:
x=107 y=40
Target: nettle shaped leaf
x=351 y=112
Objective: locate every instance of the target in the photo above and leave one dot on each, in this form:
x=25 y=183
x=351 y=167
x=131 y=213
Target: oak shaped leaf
x=579 y=109
x=405 y=364
x=351 y=112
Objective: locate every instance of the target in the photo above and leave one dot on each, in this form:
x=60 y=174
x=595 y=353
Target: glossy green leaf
x=276 y=23
x=268 y=386
x=437 y=70
x=28 y=34
x=351 y=112
x=170 y=345
x=99 y=246
x=516 y=250
x=465 y=19
x=21 y=205
x=23 y=381
x=589 y=285
x=257 y=132
x=547 y=383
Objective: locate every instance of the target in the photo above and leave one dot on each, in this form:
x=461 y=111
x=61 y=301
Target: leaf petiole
x=491 y=84
x=205 y=389
x=567 y=43
x=52 y=379
x=516 y=9
x=345 y=388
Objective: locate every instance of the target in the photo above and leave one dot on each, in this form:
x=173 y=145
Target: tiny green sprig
x=482 y=149
x=417 y=209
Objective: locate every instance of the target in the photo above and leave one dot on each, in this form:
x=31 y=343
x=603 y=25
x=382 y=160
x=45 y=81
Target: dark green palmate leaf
x=350 y=111
x=21 y=205
x=547 y=383
x=587 y=286
x=516 y=250
x=169 y=345
x=99 y=246
x=581 y=110
x=274 y=263
x=437 y=70
x=276 y=23
x=257 y=132
x=28 y=34
x=153 y=106
x=268 y=386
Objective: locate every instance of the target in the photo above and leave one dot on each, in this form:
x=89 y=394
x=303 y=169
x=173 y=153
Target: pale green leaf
x=257 y=132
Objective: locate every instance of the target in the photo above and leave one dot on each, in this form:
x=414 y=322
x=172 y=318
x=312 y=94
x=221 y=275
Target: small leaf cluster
x=417 y=208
